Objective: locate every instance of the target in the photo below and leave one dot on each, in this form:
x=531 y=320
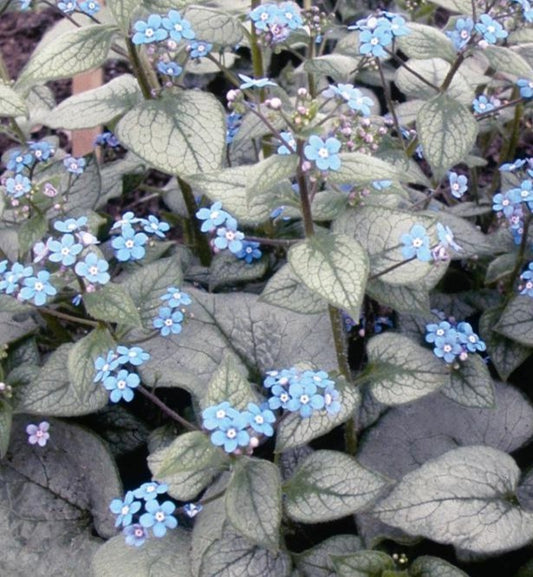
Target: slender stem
x=520 y=257
x=67 y=317
x=257 y=56
x=390 y=104
x=305 y=202
x=138 y=68
x=391 y=268
x=166 y=409
x=201 y=241
x=451 y=73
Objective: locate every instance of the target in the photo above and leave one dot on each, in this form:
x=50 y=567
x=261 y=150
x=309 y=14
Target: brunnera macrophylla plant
x=308 y=334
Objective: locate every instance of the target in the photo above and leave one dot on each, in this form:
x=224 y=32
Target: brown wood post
x=83 y=140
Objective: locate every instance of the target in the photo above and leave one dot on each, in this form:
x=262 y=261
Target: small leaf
x=164 y=557
x=360 y=169
x=215 y=26
x=501 y=267
x=508 y=61
x=317 y=562
x=471 y=384
x=253 y=501
x=401 y=298
x=68 y=54
x=427 y=566
x=363 y=564
x=426 y=42
x=462 y=498
x=98 y=106
x=11 y=104
x=404 y=371
x=516 y=321
x=329 y=485
x=228 y=384
x=183 y=133
x=123 y=10
x=333 y=266
x=226 y=269
x=293 y=431
x=187 y=465
x=447 y=132
x=284 y=289
x=112 y=303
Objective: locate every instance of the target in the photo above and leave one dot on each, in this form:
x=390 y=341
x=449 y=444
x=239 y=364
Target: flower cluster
x=236 y=430
x=38 y=434
x=117 y=377
x=526 y=286
x=352 y=96
x=378 y=32
x=513 y=204
x=225 y=235
x=466 y=31
x=451 y=342
x=134 y=234
x=273 y=23
x=416 y=243
x=169 y=318
x=303 y=392
x=90 y=7
x=25 y=284
x=483 y=104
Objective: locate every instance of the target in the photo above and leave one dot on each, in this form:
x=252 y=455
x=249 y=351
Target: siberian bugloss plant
x=303 y=334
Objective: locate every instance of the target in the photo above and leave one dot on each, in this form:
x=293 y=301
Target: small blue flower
x=232 y=434
x=261 y=419
x=282 y=378
x=104 y=365
x=192 y=509
x=41 y=150
x=462 y=33
x=74 y=165
x=169 y=68
x=152 y=225
x=324 y=154
x=352 y=96
x=10 y=281
x=129 y=245
x=71 y=224
x=176 y=298
x=93 y=268
x=124 y=509
x=127 y=219
x=458 y=184
x=199 y=49
x=481 y=104
x=280 y=397
x=229 y=238
x=490 y=29
x=289 y=14
x=304 y=399
x=527 y=278
x=526 y=87
x=289 y=144
x=168 y=321
x=68 y=6
x=212 y=217
x=512 y=166
x=250 y=251
x=504 y=202
x=398 y=26
x=381 y=184
x=319 y=378
x=136 y=356
x=263 y=16
x=437 y=331
x=19 y=161
x=107 y=139
x=90 y=7
x=372 y=42
x=149 y=491
x=248 y=82
x=135 y=535
x=178 y=27
x=37 y=288
x=222 y=414
x=159 y=517
x=38 y=434
x=469 y=339
x=64 y=250
x=18 y=186
x=524 y=193
x=331 y=400
x=448 y=347
x=446 y=239
x=121 y=386
x=233 y=123
x=150 y=31
x=416 y=244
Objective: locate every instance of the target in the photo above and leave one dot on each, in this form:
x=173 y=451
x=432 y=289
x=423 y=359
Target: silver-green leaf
x=112 y=303
x=516 y=322
x=11 y=104
x=228 y=384
x=471 y=384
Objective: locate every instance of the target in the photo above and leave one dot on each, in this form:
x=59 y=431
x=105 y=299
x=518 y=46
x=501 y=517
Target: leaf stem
x=201 y=241
x=166 y=409
x=142 y=78
x=67 y=317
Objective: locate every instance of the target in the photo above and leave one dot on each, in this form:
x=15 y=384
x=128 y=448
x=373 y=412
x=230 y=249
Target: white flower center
x=93 y=270
x=168 y=322
x=39 y=286
x=149 y=32
x=125 y=510
x=159 y=516
x=220 y=414
x=259 y=419
x=231 y=433
x=323 y=153
x=129 y=244
x=417 y=242
x=121 y=384
x=304 y=399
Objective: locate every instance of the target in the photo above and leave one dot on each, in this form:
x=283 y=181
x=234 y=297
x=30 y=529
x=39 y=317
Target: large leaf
x=52 y=499
x=97 y=106
x=11 y=104
x=68 y=54
x=471 y=384
x=463 y=498
x=187 y=465
x=404 y=371
x=329 y=485
x=253 y=501
x=112 y=303
x=401 y=298
x=228 y=384
x=263 y=335
x=426 y=42
x=183 y=133
x=472 y=241
x=123 y=10
x=164 y=557
x=333 y=266
x=516 y=322
x=508 y=61
x=13 y=326
x=214 y=25
x=360 y=169
x=447 y=132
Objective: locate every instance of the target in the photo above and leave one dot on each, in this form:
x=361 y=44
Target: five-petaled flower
x=323 y=153
x=93 y=268
x=38 y=434
x=416 y=244
x=159 y=517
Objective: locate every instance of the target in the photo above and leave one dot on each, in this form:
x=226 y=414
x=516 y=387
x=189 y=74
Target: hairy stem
x=202 y=244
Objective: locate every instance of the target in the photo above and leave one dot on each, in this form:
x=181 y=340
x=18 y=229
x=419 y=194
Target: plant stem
x=142 y=78
x=305 y=203
x=201 y=241
x=67 y=317
x=257 y=57
x=166 y=409
x=390 y=104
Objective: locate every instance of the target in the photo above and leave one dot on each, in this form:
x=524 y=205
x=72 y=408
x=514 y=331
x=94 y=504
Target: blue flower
x=107 y=139
x=199 y=49
x=416 y=244
x=152 y=225
x=129 y=245
x=169 y=68
x=74 y=165
x=212 y=217
x=352 y=96
x=481 y=104
x=324 y=154
x=121 y=385
x=19 y=161
x=41 y=150
x=10 y=281
x=232 y=434
x=280 y=397
x=104 y=365
x=490 y=29
x=462 y=33
x=38 y=434
x=524 y=193
x=527 y=278
x=504 y=202
x=217 y=415
x=248 y=82
x=149 y=491
x=159 y=517
x=178 y=27
x=135 y=535
x=124 y=509
x=318 y=378
x=192 y=509
x=372 y=42
x=469 y=339
x=526 y=87
x=71 y=224
x=233 y=123
x=168 y=321
x=304 y=399
x=381 y=184
x=446 y=239
x=260 y=419
x=127 y=219
x=448 y=347
x=67 y=7
x=134 y=355
x=229 y=238
x=263 y=16
x=18 y=186
x=64 y=250
x=282 y=378
x=176 y=297
x=150 y=31
x=90 y=7
x=437 y=331
x=289 y=144
x=289 y=14
x=331 y=400
x=37 y=288
x=93 y=268
x=512 y=166
x=398 y=26
x=250 y=251
x=458 y=184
